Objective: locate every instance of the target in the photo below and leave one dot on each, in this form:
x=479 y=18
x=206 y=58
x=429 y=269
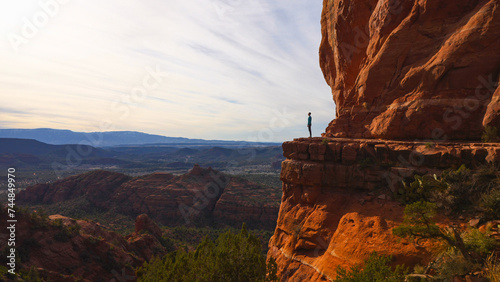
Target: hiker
x=309 y=122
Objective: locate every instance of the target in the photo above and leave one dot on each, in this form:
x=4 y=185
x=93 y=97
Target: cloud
x=229 y=69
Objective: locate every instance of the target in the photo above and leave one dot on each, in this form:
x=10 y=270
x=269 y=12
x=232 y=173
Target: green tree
x=376 y=269
x=232 y=257
x=419 y=222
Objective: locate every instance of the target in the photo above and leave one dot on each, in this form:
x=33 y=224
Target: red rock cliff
x=425 y=69
x=399 y=71
x=337 y=204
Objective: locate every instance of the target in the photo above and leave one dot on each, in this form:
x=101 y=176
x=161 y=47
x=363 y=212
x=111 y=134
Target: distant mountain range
x=37 y=148
x=107 y=139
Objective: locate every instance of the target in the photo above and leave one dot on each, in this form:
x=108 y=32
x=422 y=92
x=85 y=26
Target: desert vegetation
x=465 y=250
x=231 y=257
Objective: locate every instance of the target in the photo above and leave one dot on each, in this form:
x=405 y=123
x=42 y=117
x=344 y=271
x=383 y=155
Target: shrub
x=490 y=203
x=453 y=264
x=479 y=242
x=418 y=222
x=58 y=223
x=492 y=268
x=421 y=189
x=67 y=232
x=429 y=145
x=457 y=190
x=39 y=219
x=232 y=257
x=490 y=134
x=376 y=269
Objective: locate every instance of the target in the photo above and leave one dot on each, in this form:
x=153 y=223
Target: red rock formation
x=412 y=69
x=400 y=70
x=200 y=197
x=144 y=224
x=243 y=201
x=337 y=204
x=97 y=186
x=87 y=253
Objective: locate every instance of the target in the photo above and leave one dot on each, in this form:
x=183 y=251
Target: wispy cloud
x=227 y=69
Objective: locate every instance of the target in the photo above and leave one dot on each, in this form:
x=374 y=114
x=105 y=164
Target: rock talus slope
x=412 y=69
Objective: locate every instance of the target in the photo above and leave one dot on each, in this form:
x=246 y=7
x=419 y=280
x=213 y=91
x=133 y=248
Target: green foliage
x=457 y=190
x=376 y=269
x=67 y=232
x=467 y=250
x=190 y=237
x=454 y=264
x=490 y=134
x=429 y=145
x=272 y=270
x=479 y=242
x=419 y=222
x=39 y=219
x=490 y=203
x=30 y=274
x=324 y=141
x=421 y=189
x=58 y=223
x=24 y=250
x=232 y=257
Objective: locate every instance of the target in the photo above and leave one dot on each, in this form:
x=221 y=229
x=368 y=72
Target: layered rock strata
x=412 y=69
x=337 y=204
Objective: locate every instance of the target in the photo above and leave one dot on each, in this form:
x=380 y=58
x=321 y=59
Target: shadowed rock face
x=424 y=69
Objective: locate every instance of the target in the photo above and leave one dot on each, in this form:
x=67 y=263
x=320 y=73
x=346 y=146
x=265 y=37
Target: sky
x=210 y=69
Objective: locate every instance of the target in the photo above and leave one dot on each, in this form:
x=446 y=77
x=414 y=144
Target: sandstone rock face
x=337 y=205
x=412 y=69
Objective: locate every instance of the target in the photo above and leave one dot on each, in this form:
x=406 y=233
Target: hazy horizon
x=224 y=70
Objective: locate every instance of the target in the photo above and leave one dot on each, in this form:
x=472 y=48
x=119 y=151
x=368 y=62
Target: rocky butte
x=415 y=85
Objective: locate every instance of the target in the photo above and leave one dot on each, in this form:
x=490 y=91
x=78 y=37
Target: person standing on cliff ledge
x=309 y=123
